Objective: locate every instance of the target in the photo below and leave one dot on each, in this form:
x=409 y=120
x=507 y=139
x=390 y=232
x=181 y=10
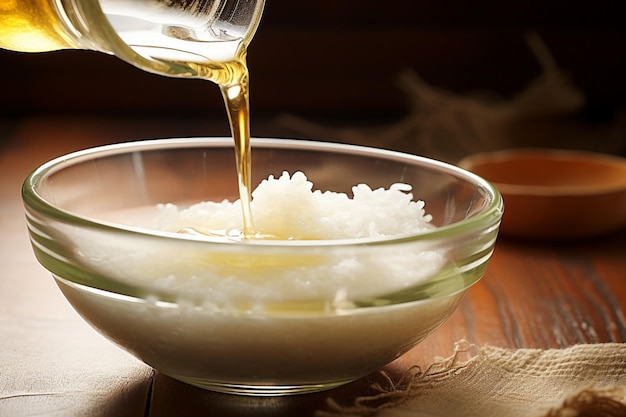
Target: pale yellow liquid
x=238 y=108
x=33 y=26
x=30 y=26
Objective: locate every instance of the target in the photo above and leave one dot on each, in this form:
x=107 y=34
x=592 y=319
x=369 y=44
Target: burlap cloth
x=582 y=380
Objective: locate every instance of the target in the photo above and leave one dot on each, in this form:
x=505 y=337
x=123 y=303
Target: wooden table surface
x=51 y=363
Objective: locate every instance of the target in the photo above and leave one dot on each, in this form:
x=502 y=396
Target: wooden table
x=51 y=363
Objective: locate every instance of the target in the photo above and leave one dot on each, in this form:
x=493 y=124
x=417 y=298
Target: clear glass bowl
x=265 y=317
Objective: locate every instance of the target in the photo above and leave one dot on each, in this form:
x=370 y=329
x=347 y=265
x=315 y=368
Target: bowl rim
x=488 y=218
x=500 y=157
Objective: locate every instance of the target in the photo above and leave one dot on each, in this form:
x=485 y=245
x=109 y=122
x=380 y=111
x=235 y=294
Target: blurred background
x=404 y=74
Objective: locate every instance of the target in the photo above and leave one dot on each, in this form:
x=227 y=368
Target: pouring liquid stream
x=180 y=46
x=237 y=105
x=238 y=108
x=232 y=78
x=221 y=60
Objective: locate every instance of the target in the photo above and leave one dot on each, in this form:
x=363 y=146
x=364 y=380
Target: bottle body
x=32 y=26
x=184 y=38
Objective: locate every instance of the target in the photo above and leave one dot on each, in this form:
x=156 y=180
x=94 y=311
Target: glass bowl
x=257 y=317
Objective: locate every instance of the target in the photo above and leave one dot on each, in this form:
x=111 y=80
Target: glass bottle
x=179 y=38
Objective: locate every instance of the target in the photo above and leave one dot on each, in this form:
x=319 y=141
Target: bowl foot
x=259 y=390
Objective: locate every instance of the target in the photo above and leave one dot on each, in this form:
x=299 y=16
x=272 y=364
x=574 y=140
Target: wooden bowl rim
x=612 y=165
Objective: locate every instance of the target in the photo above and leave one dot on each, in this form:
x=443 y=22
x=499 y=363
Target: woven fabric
x=582 y=380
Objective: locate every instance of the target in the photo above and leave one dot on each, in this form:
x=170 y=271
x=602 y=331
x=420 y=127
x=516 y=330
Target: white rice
x=287 y=207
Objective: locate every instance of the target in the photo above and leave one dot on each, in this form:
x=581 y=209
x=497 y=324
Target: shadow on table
x=127 y=399
x=172 y=397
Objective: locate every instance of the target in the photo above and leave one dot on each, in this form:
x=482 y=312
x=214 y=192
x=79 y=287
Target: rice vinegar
x=238 y=109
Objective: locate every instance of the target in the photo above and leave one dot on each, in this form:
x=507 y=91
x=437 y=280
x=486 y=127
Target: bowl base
x=260 y=390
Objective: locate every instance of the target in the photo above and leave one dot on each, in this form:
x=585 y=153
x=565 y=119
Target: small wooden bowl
x=555 y=194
